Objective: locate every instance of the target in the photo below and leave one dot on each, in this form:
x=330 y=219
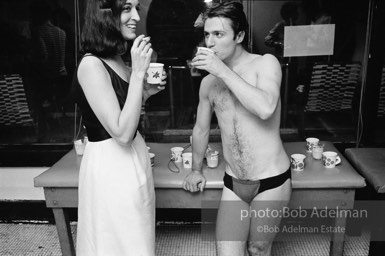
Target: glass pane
x=172 y=25
x=320 y=45
x=37 y=105
x=37 y=60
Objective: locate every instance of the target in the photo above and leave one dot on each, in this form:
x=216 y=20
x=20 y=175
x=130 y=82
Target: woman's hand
x=141 y=52
x=151 y=89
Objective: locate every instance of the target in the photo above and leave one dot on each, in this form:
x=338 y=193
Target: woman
x=116 y=214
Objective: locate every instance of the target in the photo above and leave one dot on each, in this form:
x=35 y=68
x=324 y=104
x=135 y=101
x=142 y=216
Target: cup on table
x=176 y=154
x=187 y=159
x=297 y=162
x=154 y=73
x=310 y=143
x=330 y=159
x=152 y=159
x=317 y=151
x=79 y=147
x=212 y=158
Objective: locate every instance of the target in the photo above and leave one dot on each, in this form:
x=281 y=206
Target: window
x=38 y=55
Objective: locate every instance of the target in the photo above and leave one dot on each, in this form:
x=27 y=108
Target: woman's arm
x=121 y=124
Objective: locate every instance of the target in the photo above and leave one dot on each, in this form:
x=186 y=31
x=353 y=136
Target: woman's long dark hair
x=101 y=33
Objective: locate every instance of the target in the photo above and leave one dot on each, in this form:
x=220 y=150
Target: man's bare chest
x=221 y=99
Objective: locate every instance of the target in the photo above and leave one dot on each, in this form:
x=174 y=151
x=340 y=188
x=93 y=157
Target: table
x=316 y=186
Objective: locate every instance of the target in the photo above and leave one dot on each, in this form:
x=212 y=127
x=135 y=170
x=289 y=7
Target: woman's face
x=129 y=18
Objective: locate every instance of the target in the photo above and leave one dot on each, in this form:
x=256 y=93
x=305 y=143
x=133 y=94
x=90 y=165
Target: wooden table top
x=65 y=172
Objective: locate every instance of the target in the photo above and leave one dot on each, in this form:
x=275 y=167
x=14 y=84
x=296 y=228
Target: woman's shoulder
x=91 y=68
x=90 y=60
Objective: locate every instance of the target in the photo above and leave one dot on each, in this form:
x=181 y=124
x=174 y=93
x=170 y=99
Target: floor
x=41 y=239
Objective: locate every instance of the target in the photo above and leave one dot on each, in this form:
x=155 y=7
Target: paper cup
x=310 y=142
x=212 y=159
x=79 y=147
x=187 y=160
x=204 y=49
x=330 y=159
x=154 y=73
x=297 y=162
x=317 y=151
x=176 y=154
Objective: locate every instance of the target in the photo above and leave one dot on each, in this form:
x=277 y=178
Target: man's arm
x=257 y=90
x=195 y=181
x=262 y=97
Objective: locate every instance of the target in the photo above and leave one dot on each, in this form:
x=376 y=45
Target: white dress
x=116 y=214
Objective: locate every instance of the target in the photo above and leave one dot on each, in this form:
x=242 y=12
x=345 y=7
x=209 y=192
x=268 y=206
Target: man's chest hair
x=221 y=98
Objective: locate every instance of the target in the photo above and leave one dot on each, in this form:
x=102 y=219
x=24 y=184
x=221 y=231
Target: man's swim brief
x=247 y=190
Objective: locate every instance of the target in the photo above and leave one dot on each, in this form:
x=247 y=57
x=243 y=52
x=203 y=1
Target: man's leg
x=264 y=229
x=233 y=222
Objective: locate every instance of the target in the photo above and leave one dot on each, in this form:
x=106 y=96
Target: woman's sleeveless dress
x=116 y=213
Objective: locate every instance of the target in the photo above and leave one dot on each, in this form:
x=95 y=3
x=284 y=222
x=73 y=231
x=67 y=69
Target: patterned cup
x=310 y=143
x=330 y=159
x=297 y=162
x=187 y=159
x=176 y=154
x=154 y=73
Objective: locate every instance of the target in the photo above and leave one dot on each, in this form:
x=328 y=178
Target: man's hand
x=194 y=182
x=209 y=61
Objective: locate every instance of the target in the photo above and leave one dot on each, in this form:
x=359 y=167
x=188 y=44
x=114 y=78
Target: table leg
x=337 y=243
x=171 y=93
x=64 y=232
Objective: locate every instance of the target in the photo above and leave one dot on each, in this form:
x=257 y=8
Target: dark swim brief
x=247 y=190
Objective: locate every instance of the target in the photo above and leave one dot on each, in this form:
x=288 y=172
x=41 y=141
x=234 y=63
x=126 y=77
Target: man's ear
x=240 y=36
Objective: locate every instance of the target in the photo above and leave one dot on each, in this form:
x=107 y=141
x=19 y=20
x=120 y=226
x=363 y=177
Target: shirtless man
x=244 y=91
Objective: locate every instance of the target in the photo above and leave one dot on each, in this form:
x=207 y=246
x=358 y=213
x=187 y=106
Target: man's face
x=219 y=36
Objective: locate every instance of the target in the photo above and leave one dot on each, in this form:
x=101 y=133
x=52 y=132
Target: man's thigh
x=266 y=211
x=232 y=226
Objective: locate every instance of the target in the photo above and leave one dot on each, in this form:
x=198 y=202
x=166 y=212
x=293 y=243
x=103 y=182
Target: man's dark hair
x=233 y=11
x=101 y=33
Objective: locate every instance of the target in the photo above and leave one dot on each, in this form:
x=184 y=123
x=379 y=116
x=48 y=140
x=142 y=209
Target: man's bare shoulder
x=269 y=61
x=207 y=83
x=266 y=59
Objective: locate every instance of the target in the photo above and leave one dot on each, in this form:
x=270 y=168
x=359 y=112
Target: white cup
x=187 y=159
x=152 y=159
x=310 y=143
x=317 y=151
x=154 y=73
x=79 y=147
x=200 y=48
x=212 y=159
x=176 y=154
x=330 y=159
x=297 y=162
